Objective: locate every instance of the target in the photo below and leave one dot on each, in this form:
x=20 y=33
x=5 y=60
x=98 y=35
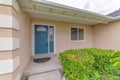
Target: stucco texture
x=106 y=36
x=62 y=35
x=25 y=39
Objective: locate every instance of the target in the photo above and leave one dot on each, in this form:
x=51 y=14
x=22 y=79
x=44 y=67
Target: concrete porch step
x=53 y=75
x=37 y=68
x=43 y=55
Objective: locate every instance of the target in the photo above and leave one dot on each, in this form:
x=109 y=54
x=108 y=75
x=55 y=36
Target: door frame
x=33 y=36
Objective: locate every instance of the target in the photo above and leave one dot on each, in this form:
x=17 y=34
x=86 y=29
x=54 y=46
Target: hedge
x=91 y=64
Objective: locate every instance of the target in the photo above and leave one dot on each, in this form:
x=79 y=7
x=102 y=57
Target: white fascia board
x=69 y=8
x=48 y=13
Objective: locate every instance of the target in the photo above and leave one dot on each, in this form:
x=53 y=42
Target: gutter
x=69 y=8
x=72 y=9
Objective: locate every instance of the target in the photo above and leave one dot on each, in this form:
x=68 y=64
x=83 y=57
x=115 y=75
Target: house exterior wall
x=25 y=39
x=106 y=36
x=14 y=40
x=62 y=35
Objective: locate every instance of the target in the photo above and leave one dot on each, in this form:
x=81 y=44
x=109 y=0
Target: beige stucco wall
x=25 y=39
x=99 y=36
x=106 y=36
x=62 y=35
x=23 y=34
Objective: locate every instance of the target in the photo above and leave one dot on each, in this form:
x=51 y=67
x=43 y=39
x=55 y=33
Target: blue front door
x=44 y=39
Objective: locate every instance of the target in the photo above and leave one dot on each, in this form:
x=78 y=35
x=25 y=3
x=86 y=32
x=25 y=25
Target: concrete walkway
x=44 y=71
x=53 y=75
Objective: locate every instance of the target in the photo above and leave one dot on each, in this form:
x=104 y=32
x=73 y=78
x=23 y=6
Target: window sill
x=77 y=41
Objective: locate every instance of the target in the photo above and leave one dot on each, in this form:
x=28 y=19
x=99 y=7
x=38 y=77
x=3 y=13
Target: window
x=77 y=34
x=51 y=33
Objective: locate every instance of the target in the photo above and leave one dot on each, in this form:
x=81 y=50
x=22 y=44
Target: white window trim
x=77 y=40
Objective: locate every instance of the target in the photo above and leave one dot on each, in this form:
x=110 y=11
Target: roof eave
x=69 y=8
x=100 y=18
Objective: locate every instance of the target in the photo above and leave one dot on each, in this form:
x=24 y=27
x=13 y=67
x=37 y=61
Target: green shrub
x=90 y=64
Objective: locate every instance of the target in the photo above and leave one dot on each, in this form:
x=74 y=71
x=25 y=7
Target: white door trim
x=33 y=36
